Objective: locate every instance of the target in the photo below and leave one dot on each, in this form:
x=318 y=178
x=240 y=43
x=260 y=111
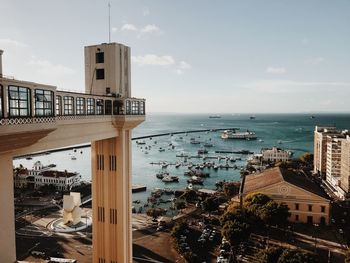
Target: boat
x=165 y=165
x=279 y=142
x=233 y=134
x=232 y=159
x=182 y=155
x=52 y=165
x=168 y=191
x=142 y=142
x=161 y=175
x=190 y=186
x=312 y=117
x=252 y=117
x=202 y=151
x=177 y=165
x=195 y=142
x=195 y=180
x=161 y=149
x=73 y=158
x=170 y=179
x=146 y=152
x=29 y=158
x=214 y=117
x=208 y=144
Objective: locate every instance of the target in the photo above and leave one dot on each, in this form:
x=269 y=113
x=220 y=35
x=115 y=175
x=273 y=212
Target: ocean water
x=293 y=131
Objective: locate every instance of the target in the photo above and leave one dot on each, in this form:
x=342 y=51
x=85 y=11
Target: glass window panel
x=19 y=101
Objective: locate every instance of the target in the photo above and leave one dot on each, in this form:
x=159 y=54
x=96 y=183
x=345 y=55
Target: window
x=1 y=94
x=99 y=107
x=90 y=106
x=108 y=109
x=310 y=207
x=68 y=102
x=58 y=105
x=323 y=209
x=117 y=107
x=100 y=73
x=43 y=102
x=80 y=106
x=296 y=206
x=100 y=57
x=134 y=107
x=128 y=108
x=296 y=217
x=19 y=101
x=142 y=107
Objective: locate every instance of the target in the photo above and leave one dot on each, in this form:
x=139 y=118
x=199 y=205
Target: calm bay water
x=294 y=131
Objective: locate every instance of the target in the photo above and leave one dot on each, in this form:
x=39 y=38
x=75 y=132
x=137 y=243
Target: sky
x=198 y=56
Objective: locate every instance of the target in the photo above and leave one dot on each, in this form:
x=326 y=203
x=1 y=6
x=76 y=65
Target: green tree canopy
x=295 y=256
x=231 y=188
x=210 y=204
x=235 y=232
x=190 y=196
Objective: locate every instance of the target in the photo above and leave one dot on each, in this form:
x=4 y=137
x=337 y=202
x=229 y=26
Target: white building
x=61 y=180
x=275 y=155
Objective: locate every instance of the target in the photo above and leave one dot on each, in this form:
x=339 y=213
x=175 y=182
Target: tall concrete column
x=7 y=211
x=111 y=199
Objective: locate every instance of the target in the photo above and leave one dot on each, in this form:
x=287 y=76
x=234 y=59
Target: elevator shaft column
x=7 y=208
x=111 y=199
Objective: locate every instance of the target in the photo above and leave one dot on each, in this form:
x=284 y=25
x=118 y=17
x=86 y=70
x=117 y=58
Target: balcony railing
x=31 y=106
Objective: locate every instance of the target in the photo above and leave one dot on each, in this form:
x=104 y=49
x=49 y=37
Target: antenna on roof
x=109 y=22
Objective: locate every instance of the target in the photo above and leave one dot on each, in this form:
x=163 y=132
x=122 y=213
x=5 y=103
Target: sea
x=292 y=132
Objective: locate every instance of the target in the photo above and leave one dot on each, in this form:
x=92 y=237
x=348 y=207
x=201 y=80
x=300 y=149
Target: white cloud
x=129 y=27
x=11 y=42
x=276 y=70
x=114 y=29
x=151 y=59
x=184 y=65
x=150 y=29
x=49 y=69
x=315 y=61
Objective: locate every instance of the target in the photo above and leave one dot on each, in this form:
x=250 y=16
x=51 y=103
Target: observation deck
x=32 y=113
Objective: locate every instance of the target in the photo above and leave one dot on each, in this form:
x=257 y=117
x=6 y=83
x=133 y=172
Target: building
x=275 y=155
x=331 y=160
x=307 y=202
x=36 y=118
x=320 y=148
x=63 y=181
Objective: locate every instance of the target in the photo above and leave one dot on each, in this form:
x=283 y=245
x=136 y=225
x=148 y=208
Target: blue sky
x=193 y=56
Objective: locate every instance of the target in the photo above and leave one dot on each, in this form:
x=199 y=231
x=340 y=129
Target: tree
x=190 y=196
x=235 y=232
x=155 y=212
x=231 y=188
x=270 y=255
x=180 y=205
x=264 y=208
x=178 y=229
x=307 y=158
x=210 y=204
x=295 y=256
x=347 y=256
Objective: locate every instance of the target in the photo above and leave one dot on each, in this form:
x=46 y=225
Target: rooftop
x=272 y=176
x=56 y=174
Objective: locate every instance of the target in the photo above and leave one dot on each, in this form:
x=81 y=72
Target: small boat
x=29 y=158
x=168 y=191
x=202 y=151
x=232 y=159
x=170 y=179
x=165 y=165
x=74 y=150
x=252 y=117
x=161 y=149
x=214 y=117
x=73 y=158
x=81 y=152
x=190 y=186
x=312 y=117
x=52 y=165
x=279 y=142
x=195 y=180
x=141 y=142
x=161 y=175
x=146 y=152
x=177 y=165
x=208 y=144
x=195 y=142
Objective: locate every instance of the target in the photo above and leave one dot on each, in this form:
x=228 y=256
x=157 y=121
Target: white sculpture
x=71 y=210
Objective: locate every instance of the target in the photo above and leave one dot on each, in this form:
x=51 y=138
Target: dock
x=136 y=188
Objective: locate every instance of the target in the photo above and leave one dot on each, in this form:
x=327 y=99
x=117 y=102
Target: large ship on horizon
x=233 y=134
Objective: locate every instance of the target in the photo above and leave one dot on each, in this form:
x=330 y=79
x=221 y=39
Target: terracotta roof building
x=307 y=202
